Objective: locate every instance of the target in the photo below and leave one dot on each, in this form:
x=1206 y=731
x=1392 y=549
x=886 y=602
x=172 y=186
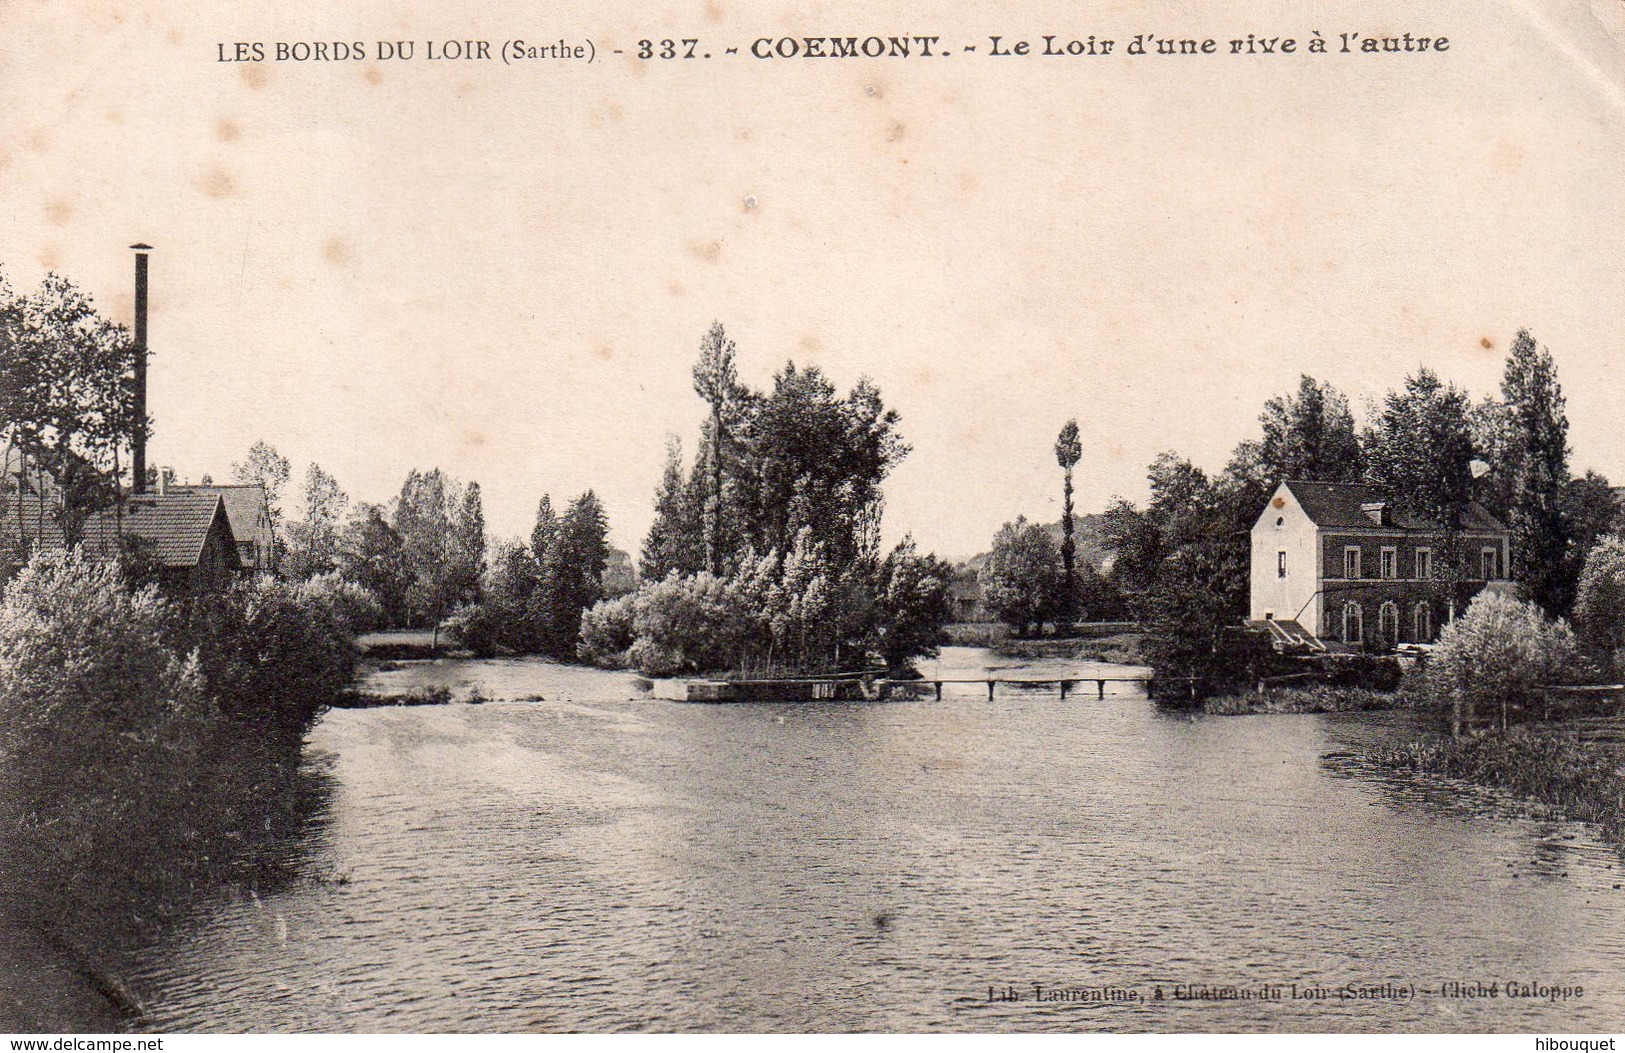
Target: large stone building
x=1334 y=562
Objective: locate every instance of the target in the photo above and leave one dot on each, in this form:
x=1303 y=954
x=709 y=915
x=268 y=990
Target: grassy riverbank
x=1314 y=698
x=1553 y=766
x=1119 y=649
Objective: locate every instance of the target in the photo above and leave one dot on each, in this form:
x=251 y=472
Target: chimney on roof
x=138 y=447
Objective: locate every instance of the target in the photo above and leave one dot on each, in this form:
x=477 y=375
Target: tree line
x=1183 y=559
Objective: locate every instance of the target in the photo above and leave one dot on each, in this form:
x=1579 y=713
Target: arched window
x=1353 y=623
x=1423 y=617
x=1388 y=624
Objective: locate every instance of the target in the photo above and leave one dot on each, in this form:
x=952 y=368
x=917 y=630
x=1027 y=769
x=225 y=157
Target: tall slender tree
x=1068 y=451
x=716 y=379
x=1536 y=463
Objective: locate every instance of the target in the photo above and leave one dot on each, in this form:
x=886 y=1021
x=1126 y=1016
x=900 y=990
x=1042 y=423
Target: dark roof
x=175 y=525
x=246 y=507
x=1340 y=505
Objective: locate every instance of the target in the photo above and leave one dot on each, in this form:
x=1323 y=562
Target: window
x=1388 y=624
x=1280 y=564
x=1351 y=561
x=1422 y=622
x=1390 y=562
x=1424 y=564
x=1353 y=623
x=1488 y=563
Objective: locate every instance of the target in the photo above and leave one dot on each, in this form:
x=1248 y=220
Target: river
x=595 y=860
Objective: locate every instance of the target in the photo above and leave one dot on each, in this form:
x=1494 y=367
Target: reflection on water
x=602 y=861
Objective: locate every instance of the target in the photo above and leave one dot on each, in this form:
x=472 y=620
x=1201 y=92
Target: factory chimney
x=138 y=447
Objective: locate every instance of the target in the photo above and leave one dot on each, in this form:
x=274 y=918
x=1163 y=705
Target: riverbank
x=1314 y=698
x=1579 y=779
x=1117 y=648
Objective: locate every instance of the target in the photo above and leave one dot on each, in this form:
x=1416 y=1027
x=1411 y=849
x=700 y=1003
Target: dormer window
x=1377 y=512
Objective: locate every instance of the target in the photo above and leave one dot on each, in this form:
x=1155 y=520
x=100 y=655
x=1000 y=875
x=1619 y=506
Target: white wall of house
x=1283 y=527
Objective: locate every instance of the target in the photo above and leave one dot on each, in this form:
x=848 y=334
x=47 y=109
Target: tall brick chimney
x=138 y=448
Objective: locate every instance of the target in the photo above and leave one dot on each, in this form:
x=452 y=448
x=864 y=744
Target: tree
x=716 y=380
x=1310 y=435
x=270 y=470
x=1419 y=453
x=912 y=604
x=314 y=541
x=1497 y=655
x=371 y=555
x=1067 y=453
x=1590 y=510
x=1599 y=607
x=67 y=400
x=468 y=544
x=1535 y=455
x=815 y=461
x=1021 y=579
x=675 y=540
x=426 y=515
x=570 y=553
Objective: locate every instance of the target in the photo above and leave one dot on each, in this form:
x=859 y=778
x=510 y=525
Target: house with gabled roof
x=250 y=515
x=1337 y=563
x=186 y=535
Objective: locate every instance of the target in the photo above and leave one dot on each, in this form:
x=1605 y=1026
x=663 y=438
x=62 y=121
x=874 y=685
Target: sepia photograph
x=758 y=517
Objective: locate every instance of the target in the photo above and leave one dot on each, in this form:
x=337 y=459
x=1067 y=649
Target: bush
x=100 y=720
x=1367 y=671
x=1599 y=607
x=607 y=632
x=273 y=654
x=129 y=776
x=1497 y=654
x=687 y=625
x=346 y=603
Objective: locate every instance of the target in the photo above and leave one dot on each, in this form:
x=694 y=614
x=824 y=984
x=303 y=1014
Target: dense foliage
x=533 y=596
x=1599 y=609
x=144 y=740
x=1023 y=581
x=765 y=556
x=1494 y=658
x=67 y=399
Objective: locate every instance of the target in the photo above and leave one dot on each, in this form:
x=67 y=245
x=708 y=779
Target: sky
x=505 y=271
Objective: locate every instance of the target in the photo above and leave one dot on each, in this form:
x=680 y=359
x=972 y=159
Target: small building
x=1336 y=562
x=187 y=535
x=250 y=515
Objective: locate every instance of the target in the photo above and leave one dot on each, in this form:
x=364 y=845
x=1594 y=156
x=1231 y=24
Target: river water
x=596 y=860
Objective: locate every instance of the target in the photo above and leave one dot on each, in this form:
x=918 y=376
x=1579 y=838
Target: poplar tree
x=1067 y=453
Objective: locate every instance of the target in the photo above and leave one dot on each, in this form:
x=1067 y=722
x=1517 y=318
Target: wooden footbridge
x=1069 y=686
x=854 y=687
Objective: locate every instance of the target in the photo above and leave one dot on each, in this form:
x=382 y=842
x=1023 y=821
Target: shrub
x=1599 y=607
x=607 y=632
x=686 y=625
x=350 y=605
x=103 y=731
x=1497 y=653
x=148 y=746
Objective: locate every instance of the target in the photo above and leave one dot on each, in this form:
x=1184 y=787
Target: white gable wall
x=1284 y=527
